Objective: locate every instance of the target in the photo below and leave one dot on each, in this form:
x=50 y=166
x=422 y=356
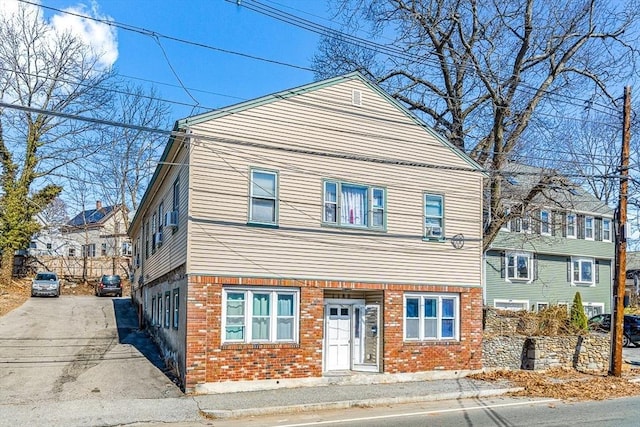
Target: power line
x=302 y=23
x=155 y=35
x=308 y=25
x=266 y=144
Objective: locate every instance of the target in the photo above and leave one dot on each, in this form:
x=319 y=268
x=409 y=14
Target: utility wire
x=154 y=34
x=317 y=28
x=274 y=146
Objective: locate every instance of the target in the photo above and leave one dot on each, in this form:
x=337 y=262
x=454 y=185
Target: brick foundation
x=207 y=360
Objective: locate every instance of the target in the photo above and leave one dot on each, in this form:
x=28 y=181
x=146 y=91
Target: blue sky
x=216 y=79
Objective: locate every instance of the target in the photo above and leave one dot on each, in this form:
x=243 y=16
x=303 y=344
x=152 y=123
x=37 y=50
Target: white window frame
x=606 y=229
x=524 y=303
x=507 y=224
x=371 y=208
x=525 y=223
x=88 y=250
x=597 y=305
x=433 y=218
x=540 y=305
x=268 y=197
x=589 y=230
x=439 y=318
x=579 y=281
x=273 y=314
x=572 y=224
x=545 y=224
x=515 y=255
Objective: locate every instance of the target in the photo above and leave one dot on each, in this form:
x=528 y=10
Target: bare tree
x=129 y=160
x=46 y=78
x=481 y=70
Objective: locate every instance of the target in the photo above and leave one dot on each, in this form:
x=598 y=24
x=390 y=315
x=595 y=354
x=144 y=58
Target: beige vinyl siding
x=324 y=120
x=173 y=251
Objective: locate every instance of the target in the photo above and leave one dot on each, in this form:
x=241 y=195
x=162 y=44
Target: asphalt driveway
x=82 y=356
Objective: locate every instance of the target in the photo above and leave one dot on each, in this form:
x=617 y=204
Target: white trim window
x=593 y=308
x=519 y=266
x=588 y=227
x=429 y=317
x=606 y=230
x=433 y=216
x=263 y=197
x=354 y=205
x=545 y=222
x=571 y=225
x=582 y=271
x=511 y=304
x=541 y=306
x=260 y=315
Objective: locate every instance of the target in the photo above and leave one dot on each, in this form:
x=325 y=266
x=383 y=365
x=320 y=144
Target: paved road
x=490 y=412
x=81 y=361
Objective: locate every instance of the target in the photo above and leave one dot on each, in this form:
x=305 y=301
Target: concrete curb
x=273 y=410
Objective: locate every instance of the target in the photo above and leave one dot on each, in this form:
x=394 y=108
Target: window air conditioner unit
x=171 y=219
x=434 y=231
x=157 y=238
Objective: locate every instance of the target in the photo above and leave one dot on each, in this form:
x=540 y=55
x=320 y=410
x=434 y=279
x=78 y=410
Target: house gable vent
x=356 y=98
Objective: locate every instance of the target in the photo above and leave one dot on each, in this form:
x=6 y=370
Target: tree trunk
x=6 y=268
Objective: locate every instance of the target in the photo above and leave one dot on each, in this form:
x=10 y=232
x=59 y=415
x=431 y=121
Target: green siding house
x=561 y=244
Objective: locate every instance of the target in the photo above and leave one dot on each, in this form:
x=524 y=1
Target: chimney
x=98 y=205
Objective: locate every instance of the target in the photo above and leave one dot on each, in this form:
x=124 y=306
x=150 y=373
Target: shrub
x=578 y=317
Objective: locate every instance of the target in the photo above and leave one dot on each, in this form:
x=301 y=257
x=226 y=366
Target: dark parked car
x=109 y=285
x=602 y=322
x=45 y=283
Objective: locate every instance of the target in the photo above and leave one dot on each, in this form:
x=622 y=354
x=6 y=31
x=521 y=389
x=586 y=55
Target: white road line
x=412 y=414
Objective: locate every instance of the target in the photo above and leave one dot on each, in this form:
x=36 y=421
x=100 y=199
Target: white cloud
x=101 y=37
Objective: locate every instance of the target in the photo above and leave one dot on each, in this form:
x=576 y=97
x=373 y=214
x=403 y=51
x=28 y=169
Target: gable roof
x=91 y=216
x=520 y=178
x=278 y=96
x=182 y=124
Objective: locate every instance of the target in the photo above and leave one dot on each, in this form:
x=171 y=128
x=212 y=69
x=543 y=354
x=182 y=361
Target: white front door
x=338 y=334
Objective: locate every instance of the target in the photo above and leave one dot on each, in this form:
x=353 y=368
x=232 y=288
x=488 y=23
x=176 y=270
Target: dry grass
x=14 y=295
x=568 y=384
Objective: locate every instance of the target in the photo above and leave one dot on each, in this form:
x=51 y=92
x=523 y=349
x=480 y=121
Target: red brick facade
x=208 y=360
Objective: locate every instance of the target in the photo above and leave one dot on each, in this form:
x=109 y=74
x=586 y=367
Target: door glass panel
x=370 y=335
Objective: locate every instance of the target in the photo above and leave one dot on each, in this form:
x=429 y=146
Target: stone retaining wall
x=584 y=353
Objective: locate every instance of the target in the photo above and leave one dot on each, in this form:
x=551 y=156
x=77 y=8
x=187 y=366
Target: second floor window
x=571 y=225
x=606 y=230
x=545 y=219
x=588 y=228
x=354 y=205
x=263 y=197
x=433 y=216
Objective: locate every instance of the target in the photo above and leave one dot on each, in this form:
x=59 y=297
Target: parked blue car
x=602 y=322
